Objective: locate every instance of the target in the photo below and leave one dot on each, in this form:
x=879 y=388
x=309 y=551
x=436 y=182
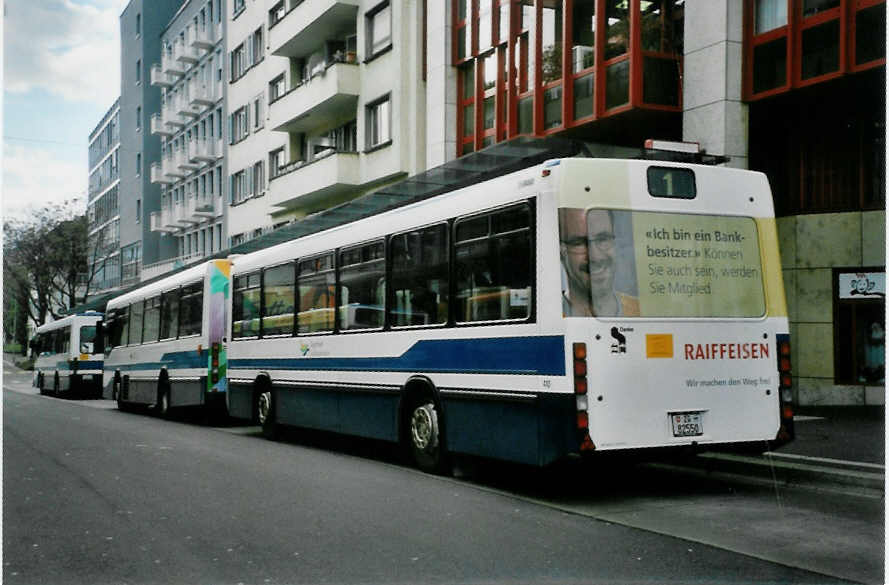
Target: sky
x=61 y=62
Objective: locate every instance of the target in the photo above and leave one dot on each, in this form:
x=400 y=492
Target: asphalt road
x=93 y=495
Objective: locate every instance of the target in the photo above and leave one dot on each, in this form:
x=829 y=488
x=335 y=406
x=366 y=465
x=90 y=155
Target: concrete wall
x=811 y=245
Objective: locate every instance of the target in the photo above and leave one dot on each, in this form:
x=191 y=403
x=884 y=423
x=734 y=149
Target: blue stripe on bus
x=542 y=356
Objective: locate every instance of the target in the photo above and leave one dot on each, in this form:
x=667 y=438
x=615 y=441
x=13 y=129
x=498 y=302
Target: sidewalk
x=846 y=433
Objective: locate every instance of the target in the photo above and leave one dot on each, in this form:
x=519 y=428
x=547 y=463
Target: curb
x=787 y=470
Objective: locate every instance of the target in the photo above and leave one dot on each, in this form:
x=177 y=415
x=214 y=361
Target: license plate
x=687 y=424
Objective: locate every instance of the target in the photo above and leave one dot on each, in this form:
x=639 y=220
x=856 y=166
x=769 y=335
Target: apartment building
x=103 y=212
x=141 y=24
x=327 y=101
x=191 y=169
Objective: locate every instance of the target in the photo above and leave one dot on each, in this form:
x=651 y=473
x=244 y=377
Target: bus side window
x=493 y=266
x=420 y=277
x=246 y=304
x=136 y=311
x=362 y=287
x=278 y=300
x=191 y=307
x=316 y=296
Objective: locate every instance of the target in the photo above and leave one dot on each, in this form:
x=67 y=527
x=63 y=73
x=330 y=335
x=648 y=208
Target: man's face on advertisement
x=588 y=249
x=601 y=253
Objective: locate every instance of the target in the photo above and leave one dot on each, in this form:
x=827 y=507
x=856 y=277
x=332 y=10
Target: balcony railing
x=330 y=174
x=159 y=77
x=158 y=126
x=188 y=54
x=158 y=224
x=170 y=65
x=205 y=151
x=171 y=166
x=328 y=96
x=205 y=38
x=203 y=95
x=171 y=118
x=305 y=24
x=158 y=176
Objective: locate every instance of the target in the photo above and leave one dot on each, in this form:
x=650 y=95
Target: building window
x=238 y=62
x=138 y=71
x=138 y=210
x=258 y=113
x=138 y=118
x=238 y=7
x=138 y=164
x=277 y=88
x=379 y=122
x=240 y=124
x=138 y=25
x=276 y=161
x=379 y=29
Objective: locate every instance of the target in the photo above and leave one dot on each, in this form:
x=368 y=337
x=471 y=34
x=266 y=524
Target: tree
x=45 y=255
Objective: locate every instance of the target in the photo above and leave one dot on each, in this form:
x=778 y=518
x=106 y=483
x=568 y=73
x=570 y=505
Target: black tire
x=262 y=404
x=423 y=424
x=117 y=395
x=270 y=427
x=162 y=406
x=40 y=383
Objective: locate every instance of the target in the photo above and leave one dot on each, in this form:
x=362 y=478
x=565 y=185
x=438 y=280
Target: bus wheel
x=40 y=382
x=270 y=428
x=424 y=435
x=162 y=406
x=263 y=405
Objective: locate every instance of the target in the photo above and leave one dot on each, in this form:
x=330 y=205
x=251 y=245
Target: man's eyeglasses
x=603 y=242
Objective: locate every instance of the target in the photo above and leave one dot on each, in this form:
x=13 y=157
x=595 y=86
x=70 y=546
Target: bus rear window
x=648 y=264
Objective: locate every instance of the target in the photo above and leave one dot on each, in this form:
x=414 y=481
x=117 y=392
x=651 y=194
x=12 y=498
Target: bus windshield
x=650 y=264
x=87 y=339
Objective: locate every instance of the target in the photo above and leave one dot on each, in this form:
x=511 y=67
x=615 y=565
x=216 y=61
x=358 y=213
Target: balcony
x=171 y=118
x=159 y=77
x=188 y=54
x=205 y=38
x=158 y=176
x=186 y=162
x=170 y=165
x=324 y=99
x=308 y=25
x=203 y=96
x=202 y=208
x=157 y=223
x=158 y=126
x=205 y=151
x=330 y=174
x=184 y=108
x=171 y=66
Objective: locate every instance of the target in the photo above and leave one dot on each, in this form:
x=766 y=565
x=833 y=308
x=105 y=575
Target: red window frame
x=844 y=15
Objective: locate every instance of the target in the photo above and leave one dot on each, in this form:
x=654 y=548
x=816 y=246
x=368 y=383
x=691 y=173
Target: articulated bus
x=165 y=342
x=578 y=306
x=67 y=359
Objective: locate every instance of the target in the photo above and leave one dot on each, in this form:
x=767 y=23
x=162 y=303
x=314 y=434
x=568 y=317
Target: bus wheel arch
x=422 y=425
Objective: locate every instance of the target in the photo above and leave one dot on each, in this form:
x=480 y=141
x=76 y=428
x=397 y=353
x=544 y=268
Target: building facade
x=191 y=169
x=326 y=102
x=141 y=24
x=792 y=88
x=103 y=211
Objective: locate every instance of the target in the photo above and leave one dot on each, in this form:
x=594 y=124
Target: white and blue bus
x=165 y=341
x=581 y=305
x=67 y=360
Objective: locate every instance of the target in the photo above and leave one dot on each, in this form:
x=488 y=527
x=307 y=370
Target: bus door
x=217 y=295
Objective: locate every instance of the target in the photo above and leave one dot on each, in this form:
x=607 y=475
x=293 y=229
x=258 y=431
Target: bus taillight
x=214 y=363
x=785 y=389
x=580 y=391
